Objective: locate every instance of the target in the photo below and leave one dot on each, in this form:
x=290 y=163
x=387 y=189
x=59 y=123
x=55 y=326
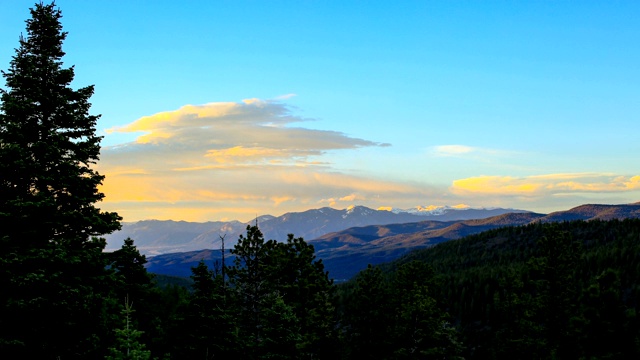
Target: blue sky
x=218 y=110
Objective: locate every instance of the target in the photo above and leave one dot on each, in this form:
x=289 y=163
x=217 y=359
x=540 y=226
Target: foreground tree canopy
x=51 y=264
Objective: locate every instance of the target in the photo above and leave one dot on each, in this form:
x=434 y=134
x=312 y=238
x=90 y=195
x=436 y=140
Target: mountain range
x=347 y=251
x=154 y=237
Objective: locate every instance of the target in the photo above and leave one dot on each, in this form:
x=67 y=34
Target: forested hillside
x=558 y=290
x=540 y=291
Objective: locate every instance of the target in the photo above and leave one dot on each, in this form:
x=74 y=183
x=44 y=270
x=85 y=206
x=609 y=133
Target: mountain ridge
x=156 y=237
x=348 y=251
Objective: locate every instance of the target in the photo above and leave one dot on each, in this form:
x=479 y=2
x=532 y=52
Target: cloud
x=241 y=154
x=247 y=156
x=464 y=151
x=545 y=185
x=285 y=96
x=352 y=197
x=452 y=150
x=252 y=132
x=344 y=201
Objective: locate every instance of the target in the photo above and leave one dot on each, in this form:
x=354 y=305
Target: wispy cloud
x=452 y=150
x=345 y=200
x=464 y=151
x=545 y=185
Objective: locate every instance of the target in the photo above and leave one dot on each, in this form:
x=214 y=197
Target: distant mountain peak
x=157 y=237
x=357 y=210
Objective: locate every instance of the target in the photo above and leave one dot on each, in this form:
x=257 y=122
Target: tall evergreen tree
x=132 y=279
x=248 y=278
x=553 y=273
x=302 y=281
x=248 y=273
x=284 y=299
x=128 y=345
x=207 y=325
x=52 y=268
x=422 y=330
x=370 y=317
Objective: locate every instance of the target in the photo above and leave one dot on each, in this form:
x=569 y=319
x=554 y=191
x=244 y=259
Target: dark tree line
x=395 y=316
x=276 y=302
x=542 y=291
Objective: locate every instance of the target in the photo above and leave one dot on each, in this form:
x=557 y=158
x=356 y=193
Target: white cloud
x=464 y=151
x=452 y=150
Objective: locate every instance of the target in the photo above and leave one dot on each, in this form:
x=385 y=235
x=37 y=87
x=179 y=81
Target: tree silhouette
x=52 y=275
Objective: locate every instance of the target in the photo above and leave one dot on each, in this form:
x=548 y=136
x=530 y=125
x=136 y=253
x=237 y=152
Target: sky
x=223 y=110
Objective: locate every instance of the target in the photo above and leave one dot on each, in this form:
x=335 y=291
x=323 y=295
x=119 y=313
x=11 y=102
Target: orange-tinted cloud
x=245 y=156
x=545 y=185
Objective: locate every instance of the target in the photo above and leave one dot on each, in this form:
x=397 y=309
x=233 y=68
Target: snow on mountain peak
x=430 y=210
x=356 y=209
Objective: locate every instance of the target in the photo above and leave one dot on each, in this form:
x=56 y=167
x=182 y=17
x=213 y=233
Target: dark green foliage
x=563 y=290
x=251 y=290
x=168 y=305
x=422 y=328
x=52 y=272
x=555 y=291
x=128 y=346
x=281 y=335
x=271 y=278
x=131 y=281
x=397 y=317
x=305 y=286
x=165 y=281
x=606 y=319
x=368 y=318
x=207 y=324
x=521 y=333
x=541 y=291
x=131 y=276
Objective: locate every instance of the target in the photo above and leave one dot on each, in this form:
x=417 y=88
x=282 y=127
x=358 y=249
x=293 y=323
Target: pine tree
x=128 y=345
x=207 y=325
x=422 y=330
x=132 y=278
x=248 y=278
x=304 y=285
x=554 y=273
x=52 y=271
x=370 y=317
